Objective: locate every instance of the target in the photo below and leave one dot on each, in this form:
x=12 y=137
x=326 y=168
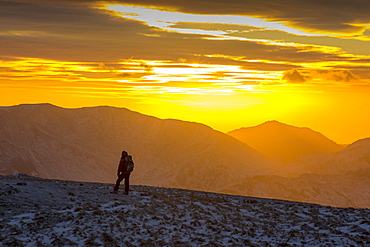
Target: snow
x=43 y=212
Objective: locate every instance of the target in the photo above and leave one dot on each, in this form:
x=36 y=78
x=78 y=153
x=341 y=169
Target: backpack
x=129 y=163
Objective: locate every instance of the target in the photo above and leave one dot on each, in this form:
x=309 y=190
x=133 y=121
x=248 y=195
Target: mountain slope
x=85 y=144
x=347 y=190
x=39 y=212
x=285 y=142
x=353 y=158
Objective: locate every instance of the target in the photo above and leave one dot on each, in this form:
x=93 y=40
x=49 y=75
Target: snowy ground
x=40 y=212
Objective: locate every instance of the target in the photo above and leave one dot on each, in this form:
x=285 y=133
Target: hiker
x=125 y=167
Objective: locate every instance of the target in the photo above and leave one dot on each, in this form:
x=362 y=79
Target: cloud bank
x=295 y=76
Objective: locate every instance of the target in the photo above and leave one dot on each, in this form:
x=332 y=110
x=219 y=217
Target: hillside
x=85 y=144
x=343 y=190
x=354 y=157
x=40 y=212
x=338 y=179
x=284 y=142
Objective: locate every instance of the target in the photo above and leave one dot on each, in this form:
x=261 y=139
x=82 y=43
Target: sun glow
x=137 y=76
x=223 y=70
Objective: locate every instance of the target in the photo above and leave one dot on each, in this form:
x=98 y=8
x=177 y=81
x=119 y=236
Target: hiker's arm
x=119 y=169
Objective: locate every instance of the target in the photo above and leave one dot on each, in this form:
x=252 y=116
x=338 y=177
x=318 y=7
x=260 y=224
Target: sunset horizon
x=185 y=123
x=190 y=121
x=227 y=65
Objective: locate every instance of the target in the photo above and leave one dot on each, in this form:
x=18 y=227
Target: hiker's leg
x=119 y=180
x=127 y=183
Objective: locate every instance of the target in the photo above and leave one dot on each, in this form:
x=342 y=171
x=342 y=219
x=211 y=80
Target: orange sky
x=226 y=64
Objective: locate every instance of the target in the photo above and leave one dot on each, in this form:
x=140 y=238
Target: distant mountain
x=285 y=142
x=85 y=144
x=354 y=157
x=338 y=179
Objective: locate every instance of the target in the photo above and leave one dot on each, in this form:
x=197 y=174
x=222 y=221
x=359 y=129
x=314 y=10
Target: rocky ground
x=45 y=212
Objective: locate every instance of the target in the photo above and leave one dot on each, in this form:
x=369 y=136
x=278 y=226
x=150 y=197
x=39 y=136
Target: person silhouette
x=123 y=172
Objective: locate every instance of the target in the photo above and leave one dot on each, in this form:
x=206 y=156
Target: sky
x=227 y=64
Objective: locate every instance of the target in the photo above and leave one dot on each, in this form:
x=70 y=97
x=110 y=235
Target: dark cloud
x=246 y=64
x=293 y=76
x=318 y=15
x=360 y=72
x=107 y=45
x=353 y=46
x=333 y=75
x=75 y=31
x=65 y=32
x=330 y=75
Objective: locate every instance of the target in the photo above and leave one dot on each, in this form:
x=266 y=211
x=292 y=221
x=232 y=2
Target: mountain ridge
x=97 y=135
x=354 y=157
x=283 y=142
x=85 y=144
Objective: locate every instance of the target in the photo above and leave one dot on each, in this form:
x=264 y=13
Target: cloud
x=293 y=76
x=316 y=15
x=331 y=75
x=77 y=31
x=325 y=16
x=214 y=27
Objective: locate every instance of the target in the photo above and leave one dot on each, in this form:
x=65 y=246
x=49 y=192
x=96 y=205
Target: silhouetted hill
x=85 y=144
x=352 y=158
x=285 y=142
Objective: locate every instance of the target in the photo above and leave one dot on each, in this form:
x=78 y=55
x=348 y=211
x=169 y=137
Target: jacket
x=122 y=167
